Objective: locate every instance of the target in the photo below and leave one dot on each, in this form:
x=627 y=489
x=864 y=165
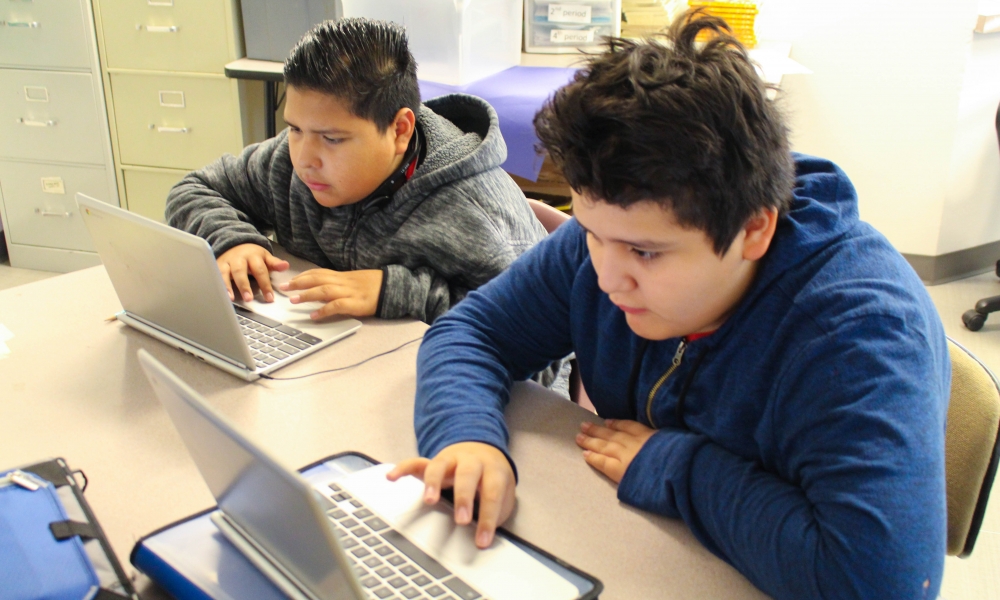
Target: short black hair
x=688 y=126
x=364 y=62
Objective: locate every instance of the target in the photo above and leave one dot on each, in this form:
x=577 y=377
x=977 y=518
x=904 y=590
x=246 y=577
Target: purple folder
x=516 y=93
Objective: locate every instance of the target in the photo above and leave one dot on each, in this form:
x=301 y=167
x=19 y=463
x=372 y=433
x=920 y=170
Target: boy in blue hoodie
x=771 y=370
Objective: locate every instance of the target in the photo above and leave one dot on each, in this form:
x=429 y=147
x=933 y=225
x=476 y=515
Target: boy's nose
x=613 y=275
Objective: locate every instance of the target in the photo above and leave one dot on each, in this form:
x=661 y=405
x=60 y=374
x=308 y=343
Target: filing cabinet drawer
x=166 y=35
x=147 y=191
x=40 y=202
x=48 y=115
x=45 y=33
x=174 y=121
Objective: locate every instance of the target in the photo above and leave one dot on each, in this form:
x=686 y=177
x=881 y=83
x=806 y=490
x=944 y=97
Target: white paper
x=5 y=334
x=433 y=529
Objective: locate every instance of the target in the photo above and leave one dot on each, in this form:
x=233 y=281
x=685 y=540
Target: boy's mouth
x=315 y=185
x=630 y=310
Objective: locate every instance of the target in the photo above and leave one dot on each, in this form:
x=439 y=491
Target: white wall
x=890 y=101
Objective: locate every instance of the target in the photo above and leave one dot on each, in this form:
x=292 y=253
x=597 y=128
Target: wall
x=886 y=101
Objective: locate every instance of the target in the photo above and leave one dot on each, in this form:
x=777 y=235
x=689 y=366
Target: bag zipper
x=678 y=355
x=21 y=479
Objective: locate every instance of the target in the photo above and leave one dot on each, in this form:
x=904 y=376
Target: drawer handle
x=170 y=129
x=49 y=213
x=158 y=28
x=24 y=121
x=32 y=24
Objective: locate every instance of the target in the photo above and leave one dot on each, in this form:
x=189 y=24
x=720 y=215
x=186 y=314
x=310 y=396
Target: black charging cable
x=357 y=364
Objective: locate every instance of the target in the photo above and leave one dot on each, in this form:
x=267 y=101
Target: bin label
x=572 y=36
x=569 y=13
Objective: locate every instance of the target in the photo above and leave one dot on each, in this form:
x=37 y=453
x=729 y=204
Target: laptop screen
x=273 y=505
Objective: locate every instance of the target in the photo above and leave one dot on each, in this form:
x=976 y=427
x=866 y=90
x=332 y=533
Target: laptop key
x=382 y=592
x=408 y=570
x=349 y=523
x=360 y=552
x=385 y=572
x=372 y=562
x=294 y=342
x=421 y=558
x=240 y=311
x=355 y=504
x=309 y=339
x=372 y=541
x=397 y=582
x=395 y=560
x=278 y=354
x=360 y=532
x=383 y=550
x=461 y=588
x=287 y=329
x=376 y=524
x=288 y=349
x=349 y=543
x=268 y=360
x=364 y=513
x=421 y=580
x=370 y=582
x=409 y=592
x=337 y=514
x=434 y=591
x=335 y=487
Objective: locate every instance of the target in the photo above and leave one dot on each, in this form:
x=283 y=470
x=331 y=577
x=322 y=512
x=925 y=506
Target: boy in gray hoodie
x=403 y=205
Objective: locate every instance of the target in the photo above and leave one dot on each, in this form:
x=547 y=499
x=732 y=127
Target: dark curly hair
x=364 y=62
x=688 y=126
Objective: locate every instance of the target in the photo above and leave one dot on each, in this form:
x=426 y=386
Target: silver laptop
x=170 y=288
x=357 y=536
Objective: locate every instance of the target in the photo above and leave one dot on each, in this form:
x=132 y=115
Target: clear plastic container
x=454 y=41
x=565 y=26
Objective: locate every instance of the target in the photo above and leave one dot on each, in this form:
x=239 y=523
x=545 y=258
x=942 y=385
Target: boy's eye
x=331 y=140
x=645 y=255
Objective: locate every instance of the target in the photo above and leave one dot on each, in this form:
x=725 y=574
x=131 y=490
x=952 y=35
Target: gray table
x=72 y=387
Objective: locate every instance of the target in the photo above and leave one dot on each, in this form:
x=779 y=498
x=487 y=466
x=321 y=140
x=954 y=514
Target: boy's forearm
x=789 y=542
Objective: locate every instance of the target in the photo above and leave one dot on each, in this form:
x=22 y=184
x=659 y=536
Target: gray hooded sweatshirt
x=459 y=221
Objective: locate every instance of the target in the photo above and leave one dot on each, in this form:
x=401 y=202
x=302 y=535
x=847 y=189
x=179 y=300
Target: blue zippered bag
x=35 y=565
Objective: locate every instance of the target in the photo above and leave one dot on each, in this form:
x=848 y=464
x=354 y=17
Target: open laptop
x=357 y=536
x=170 y=288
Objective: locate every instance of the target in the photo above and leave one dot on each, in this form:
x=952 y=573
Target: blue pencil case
x=50 y=544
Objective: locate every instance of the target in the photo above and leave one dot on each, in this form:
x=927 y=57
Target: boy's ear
x=401 y=129
x=759 y=232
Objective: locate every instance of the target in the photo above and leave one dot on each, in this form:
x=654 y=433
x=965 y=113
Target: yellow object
x=739 y=15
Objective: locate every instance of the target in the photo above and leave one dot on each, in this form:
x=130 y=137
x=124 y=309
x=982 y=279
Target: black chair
x=975 y=318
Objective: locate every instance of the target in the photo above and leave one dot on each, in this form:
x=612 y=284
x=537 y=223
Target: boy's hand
x=353 y=293
x=239 y=261
x=471 y=468
x=611 y=449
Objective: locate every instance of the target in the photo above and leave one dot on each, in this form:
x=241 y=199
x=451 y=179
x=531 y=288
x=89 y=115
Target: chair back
x=971 y=449
x=549 y=217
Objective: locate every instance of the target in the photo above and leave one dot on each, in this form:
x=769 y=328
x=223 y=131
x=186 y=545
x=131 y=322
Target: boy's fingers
x=467 y=475
x=259 y=269
x=600 y=462
x=434 y=477
x=626 y=426
x=226 y=279
x=276 y=264
x=239 y=275
x=596 y=444
x=412 y=466
x=491 y=506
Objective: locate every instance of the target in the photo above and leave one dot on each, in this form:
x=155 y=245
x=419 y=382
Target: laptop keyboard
x=271 y=341
x=389 y=566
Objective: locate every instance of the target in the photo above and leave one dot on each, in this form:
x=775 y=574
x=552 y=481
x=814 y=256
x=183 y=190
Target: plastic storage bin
x=570 y=25
x=454 y=41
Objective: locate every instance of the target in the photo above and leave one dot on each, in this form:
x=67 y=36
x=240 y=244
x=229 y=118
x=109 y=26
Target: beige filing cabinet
x=172 y=108
x=54 y=139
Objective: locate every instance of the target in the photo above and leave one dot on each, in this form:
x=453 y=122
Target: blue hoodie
x=802 y=442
